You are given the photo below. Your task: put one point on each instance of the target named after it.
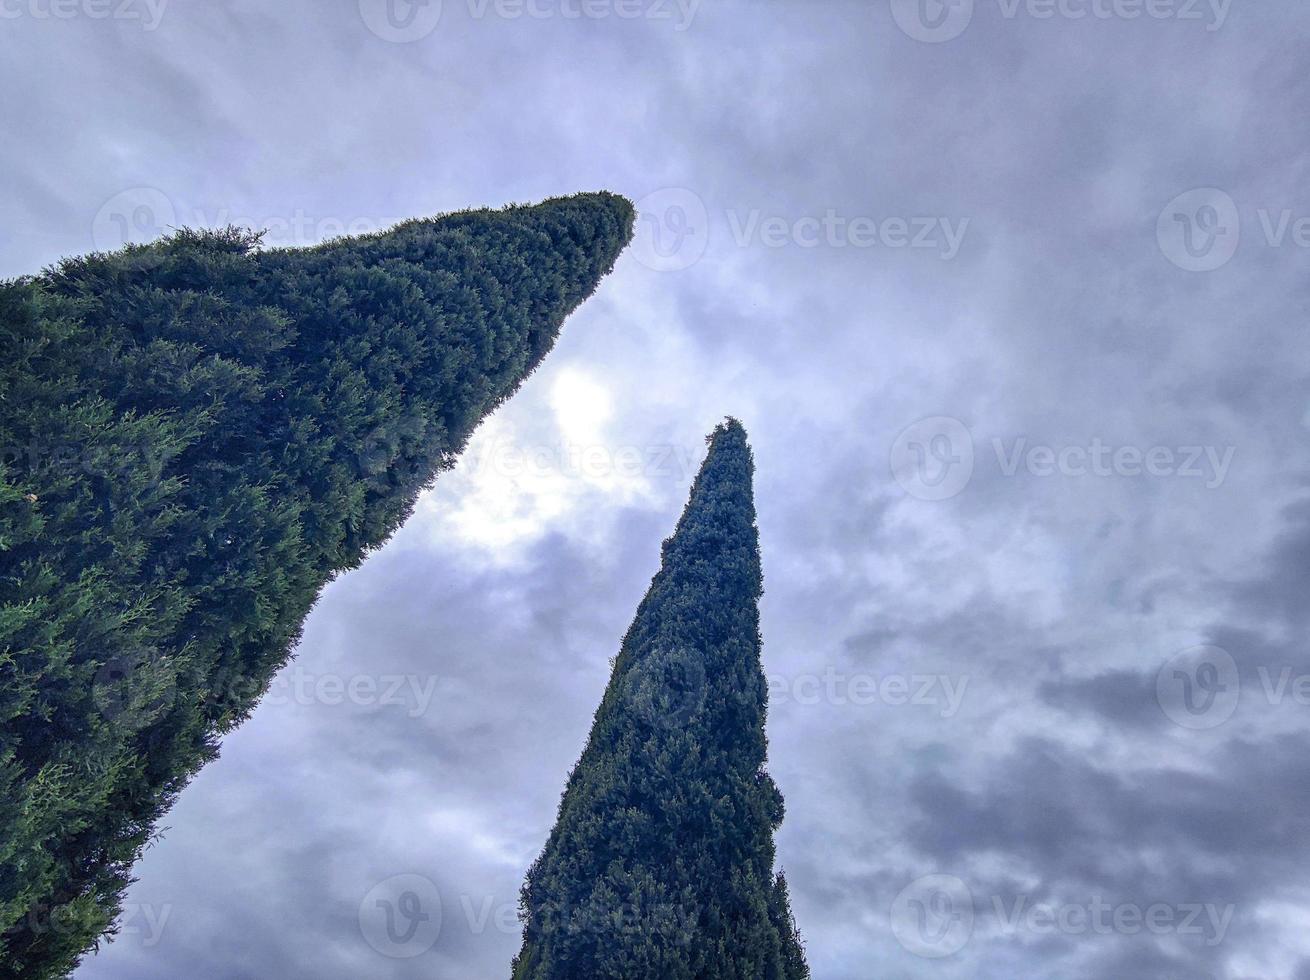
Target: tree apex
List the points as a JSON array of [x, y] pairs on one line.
[[729, 431], [607, 200]]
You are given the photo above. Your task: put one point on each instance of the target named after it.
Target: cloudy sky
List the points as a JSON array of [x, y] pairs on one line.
[[1010, 296]]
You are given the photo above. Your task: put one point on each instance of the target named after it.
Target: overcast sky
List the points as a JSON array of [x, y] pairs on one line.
[[1012, 304]]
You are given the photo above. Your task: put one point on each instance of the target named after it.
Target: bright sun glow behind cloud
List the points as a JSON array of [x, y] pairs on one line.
[[582, 406], [520, 476]]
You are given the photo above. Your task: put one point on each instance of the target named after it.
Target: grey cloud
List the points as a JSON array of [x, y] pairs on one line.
[[1059, 321]]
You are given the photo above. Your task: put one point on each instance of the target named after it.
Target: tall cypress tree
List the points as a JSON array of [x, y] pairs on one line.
[[197, 435], [660, 865]]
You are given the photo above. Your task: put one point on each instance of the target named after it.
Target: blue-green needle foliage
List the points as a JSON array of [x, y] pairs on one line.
[[660, 866], [197, 435]]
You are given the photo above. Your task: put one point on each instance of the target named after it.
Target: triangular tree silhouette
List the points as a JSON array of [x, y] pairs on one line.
[[660, 865], [197, 436]]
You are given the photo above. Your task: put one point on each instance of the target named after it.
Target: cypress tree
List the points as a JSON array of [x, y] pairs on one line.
[[197, 435], [660, 865]]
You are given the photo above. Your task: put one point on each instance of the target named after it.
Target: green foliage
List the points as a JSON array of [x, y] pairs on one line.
[[196, 435], [661, 862]]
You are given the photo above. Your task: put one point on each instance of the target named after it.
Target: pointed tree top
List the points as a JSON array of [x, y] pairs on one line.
[[730, 429], [661, 861], [720, 513], [594, 217], [216, 430]]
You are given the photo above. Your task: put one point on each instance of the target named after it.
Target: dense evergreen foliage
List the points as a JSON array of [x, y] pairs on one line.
[[197, 435], [661, 863]]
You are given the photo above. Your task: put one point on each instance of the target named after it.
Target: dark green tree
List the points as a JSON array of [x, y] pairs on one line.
[[197, 435], [660, 866]]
